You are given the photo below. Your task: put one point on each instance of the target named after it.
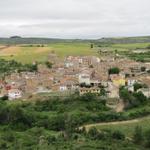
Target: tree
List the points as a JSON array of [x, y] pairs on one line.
[[103, 92], [114, 70], [140, 97], [4, 98], [143, 69], [137, 86], [48, 64], [92, 45], [124, 94], [138, 135]]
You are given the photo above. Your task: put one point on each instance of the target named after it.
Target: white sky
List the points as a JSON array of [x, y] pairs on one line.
[[74, 18]]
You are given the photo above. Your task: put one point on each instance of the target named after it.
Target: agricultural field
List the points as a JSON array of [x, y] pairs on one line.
[[135, 51], [29, 54], [131, 46]]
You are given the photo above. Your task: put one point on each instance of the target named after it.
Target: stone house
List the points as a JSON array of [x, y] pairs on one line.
[[93, 90]]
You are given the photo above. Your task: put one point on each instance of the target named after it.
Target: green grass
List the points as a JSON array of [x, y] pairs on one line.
[[128, 128], [75, 49], [31, 54], [131, 46]]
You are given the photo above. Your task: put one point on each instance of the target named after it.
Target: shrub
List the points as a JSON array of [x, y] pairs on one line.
[[138, 135], [118, 135]]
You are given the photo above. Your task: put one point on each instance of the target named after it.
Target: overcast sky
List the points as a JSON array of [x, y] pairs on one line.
[[74, 18]]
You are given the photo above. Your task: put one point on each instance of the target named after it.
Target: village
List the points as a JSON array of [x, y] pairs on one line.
[[82, 74]]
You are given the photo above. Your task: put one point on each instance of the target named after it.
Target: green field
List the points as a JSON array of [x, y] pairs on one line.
[[131, 46], [30, 54], [129, 127]]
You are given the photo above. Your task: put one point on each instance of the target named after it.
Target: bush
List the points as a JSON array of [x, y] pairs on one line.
[[118, 135], [138, 135], [4, 98], [93, 133]]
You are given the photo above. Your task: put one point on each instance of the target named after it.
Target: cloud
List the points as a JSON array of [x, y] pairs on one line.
[[74, 18]]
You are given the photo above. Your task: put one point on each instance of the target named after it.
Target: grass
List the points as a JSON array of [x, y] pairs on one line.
[[26, 54], [40, 54], [74, 49], [128, 128], [29, 54], [131, 46]]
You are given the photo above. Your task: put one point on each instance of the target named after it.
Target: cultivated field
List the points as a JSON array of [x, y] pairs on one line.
[[31, 53], [28, 54]]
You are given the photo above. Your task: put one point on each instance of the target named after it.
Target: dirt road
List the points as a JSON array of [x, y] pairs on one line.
[[113, 123]]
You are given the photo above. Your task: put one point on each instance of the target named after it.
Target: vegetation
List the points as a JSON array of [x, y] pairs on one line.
[[134, 99], [48, 64], [37, 53], [54, 123], [114, 70], [7, 67], [138, 86]]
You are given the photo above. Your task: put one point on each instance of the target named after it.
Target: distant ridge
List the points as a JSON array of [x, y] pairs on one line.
[[36, 40], [125, 40]]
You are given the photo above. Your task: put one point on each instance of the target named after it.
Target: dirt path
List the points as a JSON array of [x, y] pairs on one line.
[[113, 123]]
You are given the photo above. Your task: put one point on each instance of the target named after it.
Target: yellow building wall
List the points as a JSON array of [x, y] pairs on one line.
[[120, 82]]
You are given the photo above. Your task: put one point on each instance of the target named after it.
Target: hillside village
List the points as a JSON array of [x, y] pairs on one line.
[[83, 74]]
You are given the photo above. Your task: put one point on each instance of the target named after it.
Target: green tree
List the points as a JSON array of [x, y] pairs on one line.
[[137, 86], [48, 64], [143, 69], [114, 70]]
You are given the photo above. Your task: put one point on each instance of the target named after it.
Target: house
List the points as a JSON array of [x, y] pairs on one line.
[[93, 90], [118, 80], [68, 64], [41, 89], [84, 77], [68, 84], [14, 94], [131, 82]]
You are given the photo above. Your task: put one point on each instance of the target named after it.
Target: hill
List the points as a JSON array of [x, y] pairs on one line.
[[19, 40], [125, 40], [36, 40]]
